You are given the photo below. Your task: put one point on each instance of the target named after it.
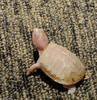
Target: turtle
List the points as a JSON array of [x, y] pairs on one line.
[[57, 62]]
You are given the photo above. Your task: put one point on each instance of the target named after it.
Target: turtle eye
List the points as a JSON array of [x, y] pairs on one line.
[[36, 35]]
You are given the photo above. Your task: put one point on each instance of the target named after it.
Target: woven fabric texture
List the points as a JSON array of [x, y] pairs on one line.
[[70, 23]]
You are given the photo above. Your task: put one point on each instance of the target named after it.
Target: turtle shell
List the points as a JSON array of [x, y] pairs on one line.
[[61, 65]]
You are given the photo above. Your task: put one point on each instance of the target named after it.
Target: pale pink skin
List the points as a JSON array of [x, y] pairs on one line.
[[40, 40]]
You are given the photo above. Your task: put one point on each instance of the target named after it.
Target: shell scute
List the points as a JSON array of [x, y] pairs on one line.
[[61, 65]]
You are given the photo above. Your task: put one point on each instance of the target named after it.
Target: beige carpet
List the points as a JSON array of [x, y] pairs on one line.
[[70, 23]]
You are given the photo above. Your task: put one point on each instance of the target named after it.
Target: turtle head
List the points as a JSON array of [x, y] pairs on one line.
[[39, 39]]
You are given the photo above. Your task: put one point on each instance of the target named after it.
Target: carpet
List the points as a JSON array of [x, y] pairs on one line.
[[70, 23]]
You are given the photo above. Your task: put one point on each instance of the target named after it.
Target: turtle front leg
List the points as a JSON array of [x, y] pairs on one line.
[[71, 88], [33, 67]]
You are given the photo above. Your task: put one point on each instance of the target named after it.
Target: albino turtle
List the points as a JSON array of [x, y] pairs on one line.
[[57, 62]]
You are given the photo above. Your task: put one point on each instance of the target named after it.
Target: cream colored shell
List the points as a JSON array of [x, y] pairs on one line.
[[61, 65]]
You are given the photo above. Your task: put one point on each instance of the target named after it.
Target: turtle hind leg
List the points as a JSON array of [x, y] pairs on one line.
[[71, 88], [33, 67]]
